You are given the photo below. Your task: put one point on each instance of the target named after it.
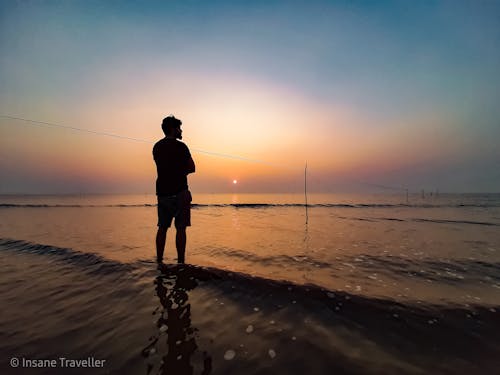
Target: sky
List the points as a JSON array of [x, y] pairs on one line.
[[370, 94]]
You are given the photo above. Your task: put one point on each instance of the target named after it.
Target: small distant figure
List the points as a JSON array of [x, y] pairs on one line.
[[173, 164]]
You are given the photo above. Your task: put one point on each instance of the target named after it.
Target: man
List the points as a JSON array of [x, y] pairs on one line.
[[173, 164]]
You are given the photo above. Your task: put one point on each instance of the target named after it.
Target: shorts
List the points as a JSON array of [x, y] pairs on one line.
[[175, 206]]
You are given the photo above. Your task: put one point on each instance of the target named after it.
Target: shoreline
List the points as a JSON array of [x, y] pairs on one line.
[[215, 314]]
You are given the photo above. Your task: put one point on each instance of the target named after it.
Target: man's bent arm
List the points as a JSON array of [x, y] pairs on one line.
[[190, 166]]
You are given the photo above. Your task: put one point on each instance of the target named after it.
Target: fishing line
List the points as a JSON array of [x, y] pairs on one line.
[[211, 153], [357, 182], [217, 154]]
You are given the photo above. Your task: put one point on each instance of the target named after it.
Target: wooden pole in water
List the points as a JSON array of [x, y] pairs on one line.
[[305, 191]]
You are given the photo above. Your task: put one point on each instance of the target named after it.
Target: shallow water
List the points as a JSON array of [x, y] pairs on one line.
[[371, 284], [436, 250]]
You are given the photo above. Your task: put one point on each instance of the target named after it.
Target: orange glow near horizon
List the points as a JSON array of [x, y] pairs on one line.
[[275, 128]]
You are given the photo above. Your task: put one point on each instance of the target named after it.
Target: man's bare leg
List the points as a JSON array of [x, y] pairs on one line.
[[161, 237], [180, 243]]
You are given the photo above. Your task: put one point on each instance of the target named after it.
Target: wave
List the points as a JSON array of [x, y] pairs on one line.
[[439, 270], [298, 261], [419, 220], [392, 266], [232, 282], [442, 221], [96, 264], [92, 263], [257, 205]]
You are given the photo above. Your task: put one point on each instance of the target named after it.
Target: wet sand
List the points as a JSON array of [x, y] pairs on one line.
[[57, 302]]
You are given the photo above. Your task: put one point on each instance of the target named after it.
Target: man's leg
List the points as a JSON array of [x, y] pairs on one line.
[[161, 237], [180, 243]]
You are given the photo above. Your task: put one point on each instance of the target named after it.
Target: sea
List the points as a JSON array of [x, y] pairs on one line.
[[347, 284]]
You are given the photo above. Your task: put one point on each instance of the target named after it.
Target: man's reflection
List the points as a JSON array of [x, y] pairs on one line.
[[172, 288]]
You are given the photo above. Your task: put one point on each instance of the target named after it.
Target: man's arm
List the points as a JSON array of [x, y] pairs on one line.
[[191, 168]]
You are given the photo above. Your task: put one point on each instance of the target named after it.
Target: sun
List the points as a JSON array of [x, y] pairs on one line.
[[235, 182]]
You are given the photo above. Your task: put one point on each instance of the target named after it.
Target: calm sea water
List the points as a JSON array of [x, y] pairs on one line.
[[431, 248], [268, 279]]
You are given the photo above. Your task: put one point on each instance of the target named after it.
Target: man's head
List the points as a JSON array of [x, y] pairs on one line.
[[171, 126]]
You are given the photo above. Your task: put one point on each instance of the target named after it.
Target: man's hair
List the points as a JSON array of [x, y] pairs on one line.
[[170, 122]]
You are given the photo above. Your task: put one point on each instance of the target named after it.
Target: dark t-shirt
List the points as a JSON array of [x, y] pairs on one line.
[[172, 159]]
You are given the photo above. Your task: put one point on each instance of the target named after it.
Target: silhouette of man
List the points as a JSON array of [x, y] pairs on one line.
[[173, 164]]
